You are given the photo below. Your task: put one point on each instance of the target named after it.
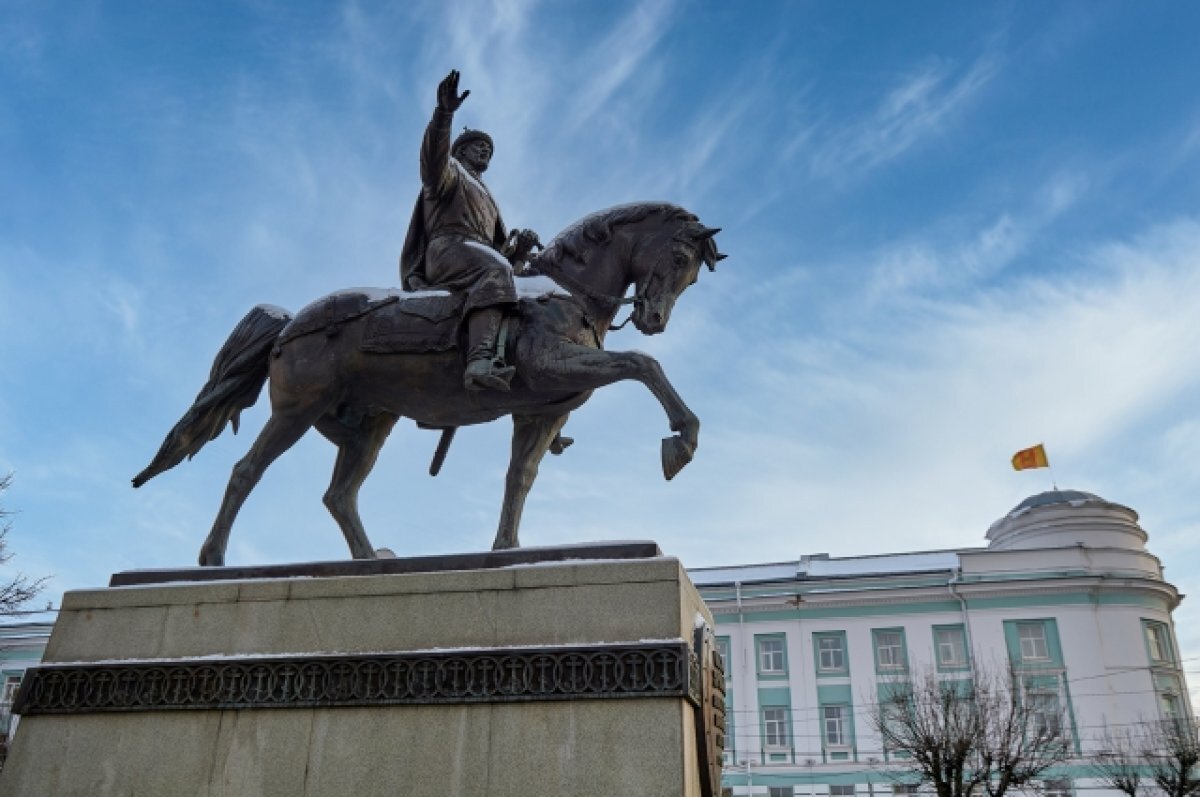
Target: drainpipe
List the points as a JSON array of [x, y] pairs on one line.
[[955, 580], [737, 588]]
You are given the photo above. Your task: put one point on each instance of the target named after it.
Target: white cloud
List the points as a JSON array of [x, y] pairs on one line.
[[618, 58], [929, 261], [918, 106]]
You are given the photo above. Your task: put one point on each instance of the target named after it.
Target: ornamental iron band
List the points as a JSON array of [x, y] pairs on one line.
[[474, 676]]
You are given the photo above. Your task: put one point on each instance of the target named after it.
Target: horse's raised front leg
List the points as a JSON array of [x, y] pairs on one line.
[[358, 448], [571, 367], [532, 436]]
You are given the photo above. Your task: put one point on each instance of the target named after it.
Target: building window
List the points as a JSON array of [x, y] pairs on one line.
[[951, 644], [723, 647], [1169, 702], [1158, 640], [842, 791], [1056, 788], [1045, 714], [899, 789], [775, 727], [771, 659], [831, 653], [889, 650], [780, 791], [1032, 637], [11, 684], [833, 718]]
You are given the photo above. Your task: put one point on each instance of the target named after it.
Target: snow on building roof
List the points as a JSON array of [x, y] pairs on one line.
[[1052, 497], [919, 562], [822, 566], [744, 573]]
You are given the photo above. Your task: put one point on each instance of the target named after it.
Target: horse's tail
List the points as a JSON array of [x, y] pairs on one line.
[[237, 377]]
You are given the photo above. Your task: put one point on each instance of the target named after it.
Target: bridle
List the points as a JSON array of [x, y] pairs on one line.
[[603, 299], [613, 302]]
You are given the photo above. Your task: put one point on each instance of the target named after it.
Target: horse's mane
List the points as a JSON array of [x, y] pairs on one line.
[[595, 229]]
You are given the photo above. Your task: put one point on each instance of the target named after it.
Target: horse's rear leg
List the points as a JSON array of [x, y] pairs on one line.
[[532, 435], [278, 435], [357, 451]]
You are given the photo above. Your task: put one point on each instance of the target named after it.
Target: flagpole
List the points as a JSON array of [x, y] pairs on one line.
[[1050, 468]]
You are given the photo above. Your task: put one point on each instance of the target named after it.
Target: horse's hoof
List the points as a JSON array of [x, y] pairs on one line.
[[675, 454], [208, 559]]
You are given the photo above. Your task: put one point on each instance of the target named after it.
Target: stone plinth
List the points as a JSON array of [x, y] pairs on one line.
[[567, 678]]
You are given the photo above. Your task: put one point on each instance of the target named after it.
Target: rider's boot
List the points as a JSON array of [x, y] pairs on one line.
[[484, 370]]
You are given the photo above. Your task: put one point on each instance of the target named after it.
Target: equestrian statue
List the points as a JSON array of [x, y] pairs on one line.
[[484, 327]]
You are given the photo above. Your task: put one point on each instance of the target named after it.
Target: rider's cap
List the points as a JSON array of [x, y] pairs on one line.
[[468, 135]]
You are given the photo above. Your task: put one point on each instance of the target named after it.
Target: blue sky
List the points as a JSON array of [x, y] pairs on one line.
[[954, 230]]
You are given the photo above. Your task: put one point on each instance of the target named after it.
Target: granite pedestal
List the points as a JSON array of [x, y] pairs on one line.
[[574, 677]]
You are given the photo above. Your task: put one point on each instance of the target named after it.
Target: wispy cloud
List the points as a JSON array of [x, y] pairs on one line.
[[1190, 145], [618, 58], [955, 259], [920, 105], [122, 300]]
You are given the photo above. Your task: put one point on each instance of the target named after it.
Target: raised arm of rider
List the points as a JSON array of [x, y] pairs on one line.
[[435, 151]]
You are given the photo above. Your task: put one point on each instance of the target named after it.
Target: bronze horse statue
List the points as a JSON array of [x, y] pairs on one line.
[[323, 372]]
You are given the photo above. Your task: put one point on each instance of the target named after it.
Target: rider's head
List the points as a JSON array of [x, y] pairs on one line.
[[474, 149]]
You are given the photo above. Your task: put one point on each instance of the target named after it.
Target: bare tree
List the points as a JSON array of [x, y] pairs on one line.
[[18, 590], [1173, 756], [1118, 764], [1154, 759], [969, 738]]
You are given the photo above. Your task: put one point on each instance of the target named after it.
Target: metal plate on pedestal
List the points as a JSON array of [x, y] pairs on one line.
[[710, 710]]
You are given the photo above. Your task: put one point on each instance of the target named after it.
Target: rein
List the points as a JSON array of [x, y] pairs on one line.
[[616, 302]]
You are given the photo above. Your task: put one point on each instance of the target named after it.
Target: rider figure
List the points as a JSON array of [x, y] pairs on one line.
[[456, 240]]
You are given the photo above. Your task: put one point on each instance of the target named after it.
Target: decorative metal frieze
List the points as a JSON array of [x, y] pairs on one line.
[[666, 669]]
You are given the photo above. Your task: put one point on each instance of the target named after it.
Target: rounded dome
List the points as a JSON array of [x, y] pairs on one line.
[[1062, 518]]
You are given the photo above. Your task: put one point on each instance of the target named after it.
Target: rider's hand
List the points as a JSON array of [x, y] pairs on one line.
[[447, 93], [527, 240]]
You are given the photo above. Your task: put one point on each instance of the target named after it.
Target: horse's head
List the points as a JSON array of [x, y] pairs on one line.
[[665, 264]]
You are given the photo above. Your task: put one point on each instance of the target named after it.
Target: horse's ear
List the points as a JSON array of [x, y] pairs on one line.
[[703, 237], [716, 258]]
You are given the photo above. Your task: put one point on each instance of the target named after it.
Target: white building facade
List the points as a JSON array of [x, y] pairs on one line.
[[22, 645], [1065, 590]]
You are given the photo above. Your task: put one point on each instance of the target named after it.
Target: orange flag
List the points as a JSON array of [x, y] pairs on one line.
[[1031, 458]]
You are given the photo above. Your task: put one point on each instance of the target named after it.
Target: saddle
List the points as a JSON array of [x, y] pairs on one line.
[[399, 322]]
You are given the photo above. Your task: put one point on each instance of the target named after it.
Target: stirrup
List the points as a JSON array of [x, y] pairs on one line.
[[484, 374]]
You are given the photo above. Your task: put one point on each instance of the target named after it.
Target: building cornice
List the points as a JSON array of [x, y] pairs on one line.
[[791, 597]]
